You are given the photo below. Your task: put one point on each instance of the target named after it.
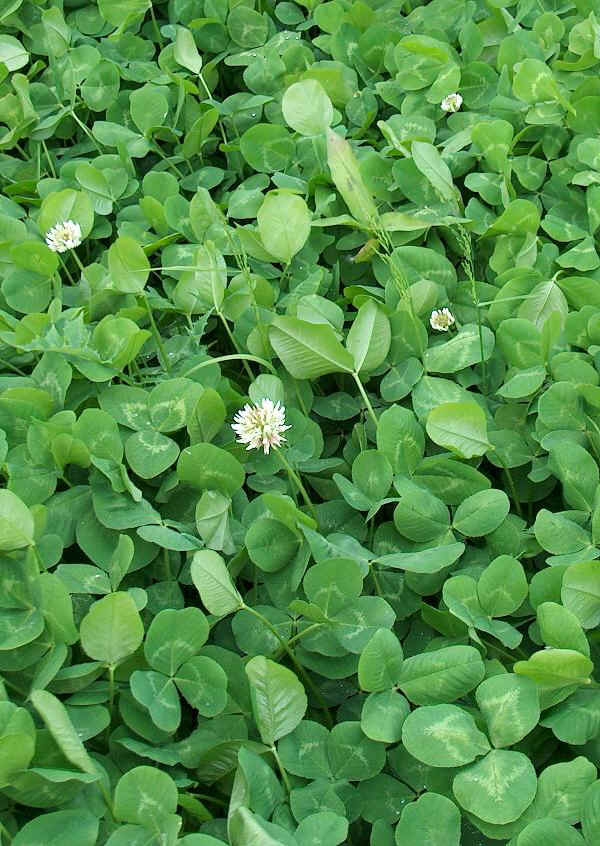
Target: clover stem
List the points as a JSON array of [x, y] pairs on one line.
[[284, 775], [311, 629], [86, 130], [296, 637], [503, 652], [511, 483], [464, 239], [155, 27], [12, 367], [371, 533], [206, 798], [56, 286], [107, 798], [235, 345], [219, 359], [212, 100], [15, 687], [297, 666], [66, 269], [162, 353], [481, 350], [376, 581], [111, 688], [5, 833], [366, 400], [513, 490], [49, 160], [79, 265], [294, 477]]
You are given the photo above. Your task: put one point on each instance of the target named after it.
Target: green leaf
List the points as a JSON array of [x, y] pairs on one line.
[[278, 698], [502, 587], [352, 756], [267, 147], [284, 223], [158, 695], [57, 721], [427, 561], [112, 630], [577, 719], [498, 788], [401, 439], [347, 179], [533, 81], [369, 338], [355, 624], [203, 287], [59, 206], [128, 265], [324, 826], [145, 795], [443, 736], [560, 628], [432, 820], [307, 108], [481, 513], [271, 545], [460, 427], [383, 716], [549, 832], [463, 350], [203, 683], [16, 522], [124, 13], [148, 108], [519, 217], [590, 821], [441, 676], [213, 582], [247, 829], [380, 663], [209, 467], [17, 741], [185, 52], [150, 453], [494, 139], [580, 592], [578, 473], [173, 637], [247, 27], [510, 706], [54, 829], [308, 350], [420, 516], [429, 162], [304, 751], [557, 672]]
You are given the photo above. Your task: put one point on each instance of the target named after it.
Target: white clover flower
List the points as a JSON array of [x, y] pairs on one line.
[[441, 319], [452, 102], [261, 425], [64, 236]]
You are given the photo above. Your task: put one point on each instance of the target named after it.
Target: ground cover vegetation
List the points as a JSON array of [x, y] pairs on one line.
[[299, 423]]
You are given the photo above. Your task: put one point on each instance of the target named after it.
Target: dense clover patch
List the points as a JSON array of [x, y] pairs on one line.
[[299, 423]]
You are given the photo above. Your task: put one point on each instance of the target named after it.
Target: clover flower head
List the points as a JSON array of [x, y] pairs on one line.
[[441, 319], [261, 425], [64, 236], [452, 102]]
